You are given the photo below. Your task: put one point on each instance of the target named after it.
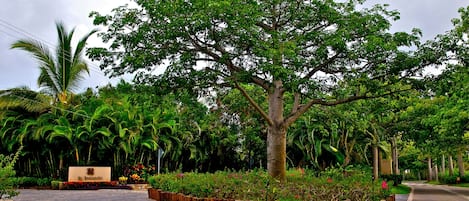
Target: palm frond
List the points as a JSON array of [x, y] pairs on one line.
[[81, 46], [22, 97]]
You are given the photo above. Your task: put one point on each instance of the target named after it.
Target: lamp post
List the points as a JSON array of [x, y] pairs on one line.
[[160, 154]]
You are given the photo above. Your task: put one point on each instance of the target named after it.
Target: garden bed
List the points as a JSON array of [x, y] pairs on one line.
[[255, 185]]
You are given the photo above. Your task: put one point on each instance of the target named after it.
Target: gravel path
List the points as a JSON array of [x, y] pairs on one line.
[[81, 195]]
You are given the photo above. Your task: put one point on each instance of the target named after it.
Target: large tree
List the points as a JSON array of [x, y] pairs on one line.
[[309, 51]]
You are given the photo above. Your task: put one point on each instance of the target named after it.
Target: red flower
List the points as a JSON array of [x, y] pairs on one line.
[[384, 185], [329, 180]]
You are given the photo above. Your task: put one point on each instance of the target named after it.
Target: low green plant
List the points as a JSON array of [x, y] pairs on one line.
[[447, 179], [55, 184], [26, 182], [6, 174], [400, 189], [258, 185]]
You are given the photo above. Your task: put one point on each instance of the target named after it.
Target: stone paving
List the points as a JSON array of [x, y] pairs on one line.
[[402, 197], [81, 195], [95, 195]]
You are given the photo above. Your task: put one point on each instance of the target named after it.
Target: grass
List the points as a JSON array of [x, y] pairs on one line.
[[461, 185], [400, 189], [433, 182]]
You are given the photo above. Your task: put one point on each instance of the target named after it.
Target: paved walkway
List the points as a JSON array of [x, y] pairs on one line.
[[427, 192], [96, 195], [81, 195], [402, 197]]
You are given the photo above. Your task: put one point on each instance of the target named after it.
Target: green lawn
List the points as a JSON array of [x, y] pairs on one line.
[[461, 185], [400, 189]]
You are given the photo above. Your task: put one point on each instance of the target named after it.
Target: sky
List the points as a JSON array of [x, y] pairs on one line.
[[23, 19]]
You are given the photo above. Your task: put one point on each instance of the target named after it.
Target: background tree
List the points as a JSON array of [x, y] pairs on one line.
[[307, 50]]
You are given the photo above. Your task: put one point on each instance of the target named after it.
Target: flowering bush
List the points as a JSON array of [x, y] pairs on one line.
[[255, 185], [138, 174]]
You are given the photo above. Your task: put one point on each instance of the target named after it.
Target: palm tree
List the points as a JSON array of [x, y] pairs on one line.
[[61, 73]]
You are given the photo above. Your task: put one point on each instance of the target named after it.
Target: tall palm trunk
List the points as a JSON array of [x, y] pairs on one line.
[[450, 165], [429, 165], [460, 164], [90, 148], [375, 162], [61, 161], [395, 156], [443, 168], [77, 156]]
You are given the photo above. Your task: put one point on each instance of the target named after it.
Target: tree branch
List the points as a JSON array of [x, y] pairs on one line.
[[303, 108], [321, 66], [264, 26], [254, 104]]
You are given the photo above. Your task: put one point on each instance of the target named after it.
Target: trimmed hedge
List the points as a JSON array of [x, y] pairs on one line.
[[257, 185], [25, 182]]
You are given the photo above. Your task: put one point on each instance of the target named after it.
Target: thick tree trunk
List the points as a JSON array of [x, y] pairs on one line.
[[450, 165], [443, 168], [460, 164], [375, 162], [429, 165], [276, 153], [436, 172], [276, 136]]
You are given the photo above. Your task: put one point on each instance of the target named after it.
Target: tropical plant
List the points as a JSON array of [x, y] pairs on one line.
[[6, 174], [59, 73]]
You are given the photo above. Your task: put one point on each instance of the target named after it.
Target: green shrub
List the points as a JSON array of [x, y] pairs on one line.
[[257, 185], [30, 181], [446, 179], [464, 179], [6, 174], [55, 184], [395, 178]]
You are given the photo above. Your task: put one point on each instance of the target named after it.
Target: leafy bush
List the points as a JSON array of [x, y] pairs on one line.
[[138, 173], [446, 179], [395, 178], [55, 184], [30, 181], [6, 174], [257, 185]]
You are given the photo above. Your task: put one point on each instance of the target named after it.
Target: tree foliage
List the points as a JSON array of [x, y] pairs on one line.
[[309, 50]]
